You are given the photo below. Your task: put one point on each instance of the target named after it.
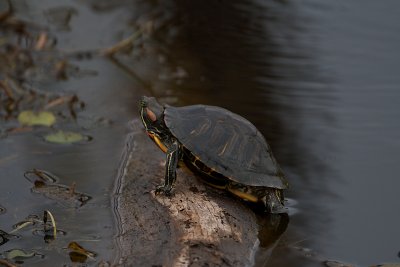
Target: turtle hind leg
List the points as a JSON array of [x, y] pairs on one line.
[[243, 195], [268, 199], [242, 191], [273, 201]]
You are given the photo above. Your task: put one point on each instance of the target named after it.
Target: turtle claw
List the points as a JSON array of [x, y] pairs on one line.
[[164, 189]]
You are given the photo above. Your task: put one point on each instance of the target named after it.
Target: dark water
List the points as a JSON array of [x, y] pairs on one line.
[[109, 97], [319, 79]]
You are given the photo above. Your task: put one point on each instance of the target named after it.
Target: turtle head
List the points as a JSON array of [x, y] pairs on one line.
[[151, 113]]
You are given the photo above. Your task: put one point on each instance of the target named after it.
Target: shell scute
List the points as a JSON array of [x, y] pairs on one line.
[[226, 142]]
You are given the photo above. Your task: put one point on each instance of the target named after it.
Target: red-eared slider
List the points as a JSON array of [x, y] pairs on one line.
[[225, 148]]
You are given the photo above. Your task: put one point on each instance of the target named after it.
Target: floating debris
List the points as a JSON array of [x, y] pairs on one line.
[[38, 226], [44, 233], [53, 222], [22, 225], [18, 254], [5, 237], [62, 137], [31, 220], [44, 183], [44, 176], [80, 254], [32, 118]]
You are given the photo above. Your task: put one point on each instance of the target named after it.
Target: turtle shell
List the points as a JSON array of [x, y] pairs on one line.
[[226, 143]]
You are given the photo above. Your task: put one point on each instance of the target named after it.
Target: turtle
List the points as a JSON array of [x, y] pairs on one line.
[[225, 148]]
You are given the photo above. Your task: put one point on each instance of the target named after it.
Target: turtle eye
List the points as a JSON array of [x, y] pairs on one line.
[[151, 115]]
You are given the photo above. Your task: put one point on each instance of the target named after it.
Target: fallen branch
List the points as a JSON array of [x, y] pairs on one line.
[[197, 225]]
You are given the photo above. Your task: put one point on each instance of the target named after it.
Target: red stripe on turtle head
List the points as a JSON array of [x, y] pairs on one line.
[[151, 115]]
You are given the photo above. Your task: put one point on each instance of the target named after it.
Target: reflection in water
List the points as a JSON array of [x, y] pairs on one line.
[[271, 229], [273, 226]]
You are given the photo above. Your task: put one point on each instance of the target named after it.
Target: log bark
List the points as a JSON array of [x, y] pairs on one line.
[[196, 226]]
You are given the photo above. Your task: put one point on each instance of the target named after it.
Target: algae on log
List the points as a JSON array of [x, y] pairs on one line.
[[196, 226]]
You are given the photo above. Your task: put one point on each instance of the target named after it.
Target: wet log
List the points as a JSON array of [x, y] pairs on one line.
[[196, 226]]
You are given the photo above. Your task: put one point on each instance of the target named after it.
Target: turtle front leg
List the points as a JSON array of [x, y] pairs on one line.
[[170, 169]]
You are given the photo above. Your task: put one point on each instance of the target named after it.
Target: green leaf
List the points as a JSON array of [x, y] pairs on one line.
[[31, 118]]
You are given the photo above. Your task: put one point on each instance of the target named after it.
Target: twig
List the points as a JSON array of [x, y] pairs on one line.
[[7, 263], [16, 130], [122, 45], [58, 101], [41, 42]]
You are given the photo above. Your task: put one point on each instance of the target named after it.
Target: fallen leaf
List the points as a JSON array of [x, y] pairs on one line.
[[45, 183], [31, 118], [78, 251], [62, 137], [18, 254], [43, 176]]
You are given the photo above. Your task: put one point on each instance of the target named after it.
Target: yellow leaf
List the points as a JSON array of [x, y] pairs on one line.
[[31, 118], [62, 137], [74, 246]]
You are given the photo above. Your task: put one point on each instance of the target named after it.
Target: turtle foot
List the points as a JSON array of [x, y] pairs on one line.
[[164, 189]]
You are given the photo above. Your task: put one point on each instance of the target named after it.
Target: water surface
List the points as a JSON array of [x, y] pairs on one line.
[[320, 80]]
